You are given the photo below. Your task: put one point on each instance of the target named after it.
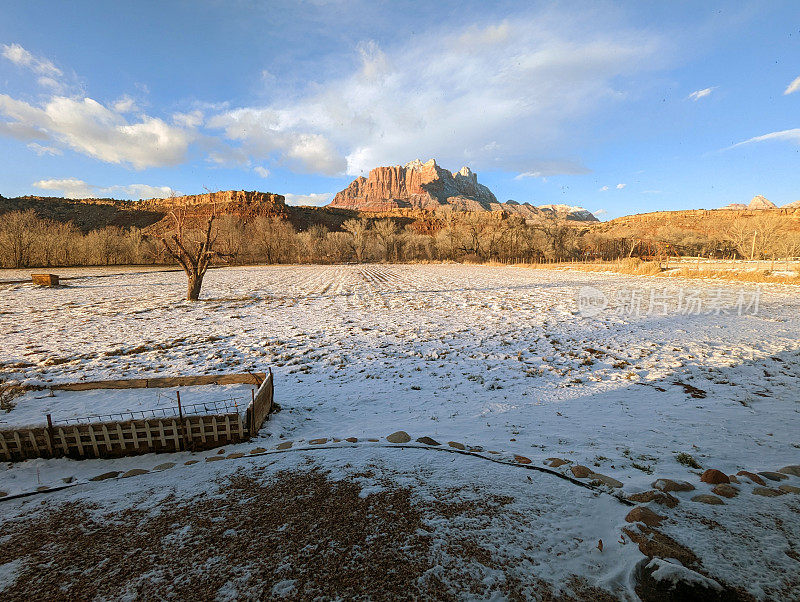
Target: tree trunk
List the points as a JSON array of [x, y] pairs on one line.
[[195, 283]]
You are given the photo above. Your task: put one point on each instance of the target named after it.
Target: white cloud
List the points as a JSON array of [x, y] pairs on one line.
[[19, 56], [188, 120], [44, 150], [124, 105], [621, 186], [698, 94], [261, 171], [790, 135], [603, 189], [599, 212], [72, 188], [88, 127], [317, 199], [793, 87], [451, 94], [546, 169]]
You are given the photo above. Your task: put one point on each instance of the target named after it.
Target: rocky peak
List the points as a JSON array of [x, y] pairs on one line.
[[759, 202], [415, 185]]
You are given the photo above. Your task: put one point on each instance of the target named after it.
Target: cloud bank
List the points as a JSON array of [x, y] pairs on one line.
[[72, 188]]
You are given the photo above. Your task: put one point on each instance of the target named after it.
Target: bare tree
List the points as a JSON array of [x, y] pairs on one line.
[[386, 231], [193, 250], [359, 232]]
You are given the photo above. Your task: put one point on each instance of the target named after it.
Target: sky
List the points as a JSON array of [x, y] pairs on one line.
[[618, 107]]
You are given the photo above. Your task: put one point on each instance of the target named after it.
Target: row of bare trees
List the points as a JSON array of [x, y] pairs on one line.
[[27, 241]]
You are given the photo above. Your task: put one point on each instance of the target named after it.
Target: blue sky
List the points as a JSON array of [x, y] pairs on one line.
[[617, 107]]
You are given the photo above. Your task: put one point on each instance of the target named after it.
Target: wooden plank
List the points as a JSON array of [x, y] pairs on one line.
[[19, 445], [214, 429], [4, 447], [203, 429], [149, 433], [78, 442], [34, 446], [228, 426], [93, 439], [135, 434], [107, 437], [63, 440], [121, 436], [176, 436], [256, 378], [161, 433]]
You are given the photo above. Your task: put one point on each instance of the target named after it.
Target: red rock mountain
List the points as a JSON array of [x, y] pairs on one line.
[[416, 185], [419, 185]]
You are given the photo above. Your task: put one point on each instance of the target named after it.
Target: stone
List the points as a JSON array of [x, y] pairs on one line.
[[221, 451], [456, 445], [773, 476], [706, 498], [668, 485], [428, 441], [643, 514], [752, 476], [318, 441], [190, 462], [134, 472], [555, 462], [793, 470], [3, 493], [598, 478], [235, 455], [42, 488], [522, 460], [658, 497], [789, 488], [106, 475], [399, 437], [164, 466], [714, 477], [767, 492], [214, 458], [69, 479], [580, 471], [476, 448], [258, 450], [373, 440], [352, 439], [725, 490], [337, 440], [285, 445], [733, 478]]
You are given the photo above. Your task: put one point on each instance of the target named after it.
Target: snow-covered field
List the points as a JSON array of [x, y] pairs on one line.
[[497, 357]]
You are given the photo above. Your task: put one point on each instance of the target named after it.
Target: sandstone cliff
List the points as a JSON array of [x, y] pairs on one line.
[[416, 185], [427, 186], [226, 201]]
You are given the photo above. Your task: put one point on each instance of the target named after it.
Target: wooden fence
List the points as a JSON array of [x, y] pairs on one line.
[[132, 437]]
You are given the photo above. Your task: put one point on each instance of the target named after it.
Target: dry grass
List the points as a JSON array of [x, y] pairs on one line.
[[298, 535], [634, 266]]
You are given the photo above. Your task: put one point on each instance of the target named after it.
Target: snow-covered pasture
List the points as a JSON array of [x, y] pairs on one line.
[[497, 357]]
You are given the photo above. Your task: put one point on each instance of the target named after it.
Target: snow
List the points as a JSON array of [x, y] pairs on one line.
[[498, 357], [675, 573], [107, 404]]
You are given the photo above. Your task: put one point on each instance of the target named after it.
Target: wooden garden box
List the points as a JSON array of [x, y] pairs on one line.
[[45, 279]]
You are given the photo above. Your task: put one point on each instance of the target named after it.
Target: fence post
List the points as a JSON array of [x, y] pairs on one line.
[[180, 421], [51, 442]]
